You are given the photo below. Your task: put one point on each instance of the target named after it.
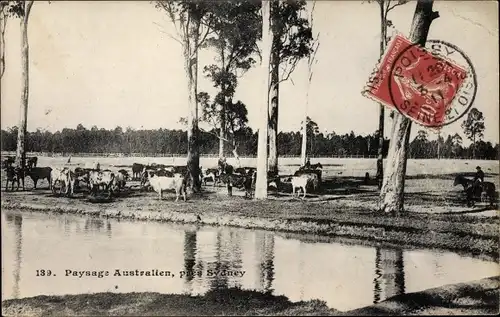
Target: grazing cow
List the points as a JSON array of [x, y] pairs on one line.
[[14, 174], [245, 170], [211, 174], [120, 179], [81, 174], [101, 178], [162, 183], [59, 175], [239, 181], [32, 161], [137, 170], [145, 177], [37, 173]]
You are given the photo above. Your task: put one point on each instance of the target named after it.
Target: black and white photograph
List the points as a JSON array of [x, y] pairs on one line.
[[250, 157]]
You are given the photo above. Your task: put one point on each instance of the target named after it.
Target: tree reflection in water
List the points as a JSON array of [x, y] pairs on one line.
[[264, 243], [189, 257], [389, 278], [17, 221]]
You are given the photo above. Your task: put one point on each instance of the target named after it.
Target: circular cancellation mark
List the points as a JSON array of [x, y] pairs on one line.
[[432, 88]]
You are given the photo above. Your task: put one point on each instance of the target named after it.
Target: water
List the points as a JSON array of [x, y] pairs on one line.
[[344, 276]]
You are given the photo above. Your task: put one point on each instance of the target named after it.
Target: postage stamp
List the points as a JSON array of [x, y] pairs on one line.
[[429, 84]]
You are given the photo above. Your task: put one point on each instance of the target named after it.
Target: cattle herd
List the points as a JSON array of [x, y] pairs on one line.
[[154, 177]]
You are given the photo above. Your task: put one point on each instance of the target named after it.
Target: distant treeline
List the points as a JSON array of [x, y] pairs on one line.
[[95, 140]]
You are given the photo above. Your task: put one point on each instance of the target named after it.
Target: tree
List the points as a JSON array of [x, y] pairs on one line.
[[189, 19], [23, 120], [7, 9], [392, 191], [312, 130], [456, 141], [440, 143], [235, 116], [473, 127], [311, 60], [419, 145], [237, 27], [385, 7], [291, 41], [261, 181]]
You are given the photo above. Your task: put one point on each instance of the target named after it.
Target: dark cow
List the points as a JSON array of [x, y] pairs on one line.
[[9, 160], [211, 174], [245, 182], [37, 173], [32, 161], [137, 170], [14, 174]]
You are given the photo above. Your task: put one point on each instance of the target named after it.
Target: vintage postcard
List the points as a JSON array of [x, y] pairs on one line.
[[249, 157]]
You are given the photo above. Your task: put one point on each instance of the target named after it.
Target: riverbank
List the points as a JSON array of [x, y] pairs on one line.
[[347, 217], [474, 298]]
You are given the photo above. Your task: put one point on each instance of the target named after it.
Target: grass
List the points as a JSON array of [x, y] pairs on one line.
[[475, 297]]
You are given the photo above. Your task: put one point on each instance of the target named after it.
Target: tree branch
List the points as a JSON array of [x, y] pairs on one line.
[[204, 37], [393, 6], [169, 35], [218, 136], [286, 74]]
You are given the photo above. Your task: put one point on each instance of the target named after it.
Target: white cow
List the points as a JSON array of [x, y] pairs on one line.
[[162, 183], [302, 182], [101, 178], [62, 176]]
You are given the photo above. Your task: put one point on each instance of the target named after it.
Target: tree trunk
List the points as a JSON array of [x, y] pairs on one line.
[[474, 146], [23, 118], [191, 67], [380, 159], [222, 127], [274, 94], [392, 192], [3, 25], [303, 155], [261, 181], [223, 112]]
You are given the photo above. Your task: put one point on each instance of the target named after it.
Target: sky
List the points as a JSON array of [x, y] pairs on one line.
[[110, 63]]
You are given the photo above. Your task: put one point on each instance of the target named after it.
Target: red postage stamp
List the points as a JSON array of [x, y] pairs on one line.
[[421, 85]]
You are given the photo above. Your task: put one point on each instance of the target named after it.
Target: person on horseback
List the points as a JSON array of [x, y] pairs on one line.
[[308, 163], [478, 179]]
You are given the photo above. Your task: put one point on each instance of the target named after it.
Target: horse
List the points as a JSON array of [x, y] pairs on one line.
[[475, 191]]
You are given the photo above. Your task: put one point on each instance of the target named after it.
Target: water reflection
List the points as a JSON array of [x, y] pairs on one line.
[[344, 276], [189, 258], [17, 222], [264, 244], [389, 278]]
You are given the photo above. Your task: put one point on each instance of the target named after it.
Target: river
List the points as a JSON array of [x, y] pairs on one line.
[[345, 276]]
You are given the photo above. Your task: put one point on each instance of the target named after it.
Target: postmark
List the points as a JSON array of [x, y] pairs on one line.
[[433, 86]]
